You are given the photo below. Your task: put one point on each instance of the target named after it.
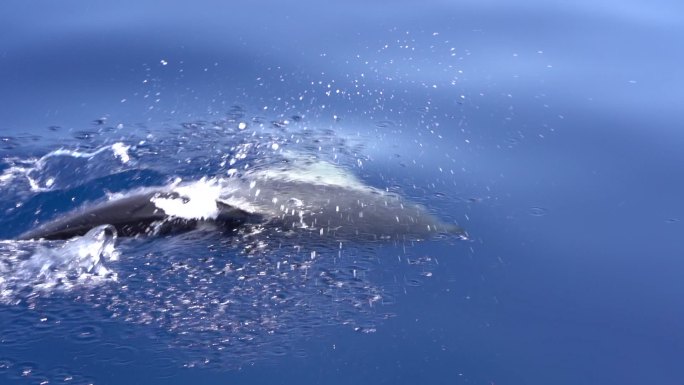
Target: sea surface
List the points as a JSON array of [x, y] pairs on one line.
[[552, 132]]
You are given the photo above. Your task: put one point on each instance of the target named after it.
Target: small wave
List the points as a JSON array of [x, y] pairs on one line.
[[47, 172]]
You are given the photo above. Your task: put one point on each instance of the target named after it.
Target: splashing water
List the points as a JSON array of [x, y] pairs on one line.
[[42, 269], [218, 300]]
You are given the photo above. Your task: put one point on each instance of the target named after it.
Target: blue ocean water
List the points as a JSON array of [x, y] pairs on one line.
[[550, 131]]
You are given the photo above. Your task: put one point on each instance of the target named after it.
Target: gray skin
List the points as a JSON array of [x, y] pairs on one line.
[[346, 213], [334, 211], [132, 215]]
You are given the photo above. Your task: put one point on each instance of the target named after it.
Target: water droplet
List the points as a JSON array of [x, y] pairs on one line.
[[6, 364], [87, 334], [385, 124], [85, 135], [538, 211]]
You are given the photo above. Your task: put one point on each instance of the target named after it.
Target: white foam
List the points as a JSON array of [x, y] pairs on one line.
[[197, 200], [16, 171], [121, 151], [26, 167], [44, 268]]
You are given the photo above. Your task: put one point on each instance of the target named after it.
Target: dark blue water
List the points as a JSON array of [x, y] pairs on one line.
[[551, 131]]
